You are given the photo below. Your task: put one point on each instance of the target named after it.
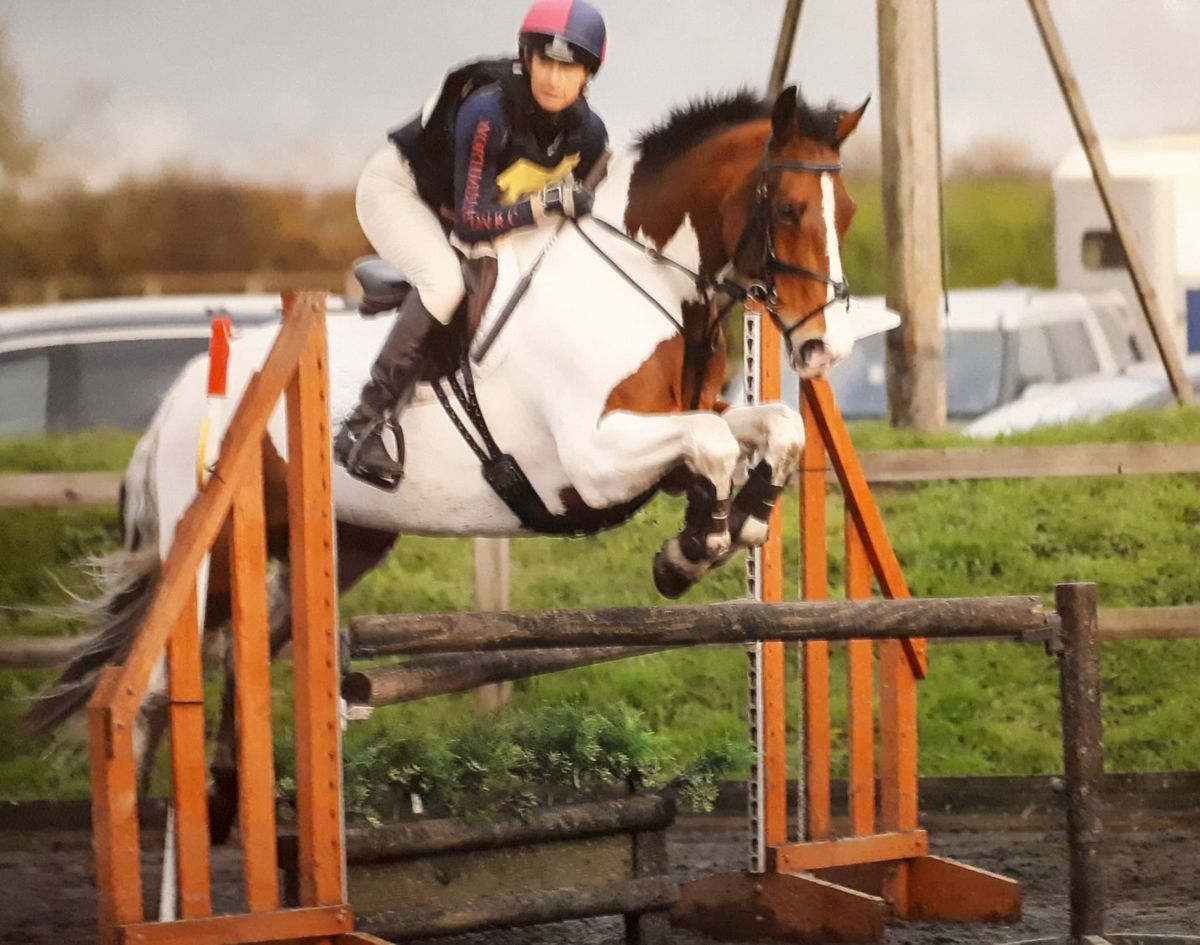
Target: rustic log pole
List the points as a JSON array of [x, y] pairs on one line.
[[555, 905], [728, 623], [1083, 754], [410, 841], [437, 675]]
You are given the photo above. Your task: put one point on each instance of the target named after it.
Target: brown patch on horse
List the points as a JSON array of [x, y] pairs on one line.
[[666, 381]]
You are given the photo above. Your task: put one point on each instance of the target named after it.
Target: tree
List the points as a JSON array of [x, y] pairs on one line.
[[18, 150]]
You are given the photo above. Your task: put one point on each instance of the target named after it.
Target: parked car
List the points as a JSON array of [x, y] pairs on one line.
[[107, 362], [1001, 344], [1141, 386]]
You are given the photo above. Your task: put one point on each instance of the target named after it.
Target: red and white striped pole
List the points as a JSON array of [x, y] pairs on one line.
[[218, 377]]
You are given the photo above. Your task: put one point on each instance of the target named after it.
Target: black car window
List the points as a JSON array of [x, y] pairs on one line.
[[24, 378], [113, 383]]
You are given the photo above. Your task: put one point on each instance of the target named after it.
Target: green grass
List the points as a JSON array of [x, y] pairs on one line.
[[99, 449]]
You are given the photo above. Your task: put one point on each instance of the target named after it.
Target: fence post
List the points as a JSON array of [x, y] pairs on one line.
[[1083, 753], [493, 579]]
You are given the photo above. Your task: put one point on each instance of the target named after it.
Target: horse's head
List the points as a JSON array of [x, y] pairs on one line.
[[761, 184], [783, 230]]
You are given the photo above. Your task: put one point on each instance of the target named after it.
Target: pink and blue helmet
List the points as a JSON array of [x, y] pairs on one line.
[[566, 30]]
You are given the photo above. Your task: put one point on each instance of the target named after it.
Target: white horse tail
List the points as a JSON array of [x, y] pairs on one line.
[[127, 579]]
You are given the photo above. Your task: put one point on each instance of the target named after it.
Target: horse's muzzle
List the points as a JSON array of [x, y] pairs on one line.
[[812, 359]]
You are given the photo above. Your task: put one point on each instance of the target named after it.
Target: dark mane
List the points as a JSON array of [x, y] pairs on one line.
[[703, 118], [699, 120]]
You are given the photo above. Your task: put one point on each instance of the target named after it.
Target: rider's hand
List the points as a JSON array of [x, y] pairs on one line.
[[568, 198]]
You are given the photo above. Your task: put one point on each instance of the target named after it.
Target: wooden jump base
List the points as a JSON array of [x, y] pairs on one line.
[[435, 877]]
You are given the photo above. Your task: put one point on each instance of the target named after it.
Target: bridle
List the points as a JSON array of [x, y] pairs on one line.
[[761, 293]]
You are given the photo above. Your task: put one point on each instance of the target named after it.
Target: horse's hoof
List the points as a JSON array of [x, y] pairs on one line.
[[753, 532], [669, 580]]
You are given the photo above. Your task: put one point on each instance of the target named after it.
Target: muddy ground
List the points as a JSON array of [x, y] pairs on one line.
[[1153, 874]]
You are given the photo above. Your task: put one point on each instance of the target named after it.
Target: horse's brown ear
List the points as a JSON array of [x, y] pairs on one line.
[[784, 112], [848, 121]]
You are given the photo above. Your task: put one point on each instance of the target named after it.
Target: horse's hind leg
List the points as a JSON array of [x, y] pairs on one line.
[[223, 792], [359, 550], [151, 724]]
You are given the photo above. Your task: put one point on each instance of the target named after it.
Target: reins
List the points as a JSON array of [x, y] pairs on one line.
[[501, 470]]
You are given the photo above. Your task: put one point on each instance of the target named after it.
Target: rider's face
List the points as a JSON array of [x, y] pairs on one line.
[[556, 85]]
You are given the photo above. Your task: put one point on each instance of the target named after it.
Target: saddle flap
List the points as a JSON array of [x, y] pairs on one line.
[[447, 347]]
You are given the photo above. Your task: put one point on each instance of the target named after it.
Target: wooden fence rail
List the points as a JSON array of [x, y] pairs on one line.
[[59, 490]]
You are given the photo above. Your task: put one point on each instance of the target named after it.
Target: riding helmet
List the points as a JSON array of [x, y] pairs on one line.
[[566, 30]]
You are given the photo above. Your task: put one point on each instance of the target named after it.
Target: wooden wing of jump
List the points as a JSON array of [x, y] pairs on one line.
[[825, 884], [232, 499]]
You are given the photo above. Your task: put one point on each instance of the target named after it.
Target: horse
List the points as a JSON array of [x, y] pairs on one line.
[[604, 385]]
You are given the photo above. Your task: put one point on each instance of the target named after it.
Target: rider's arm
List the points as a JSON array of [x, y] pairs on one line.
[[593, 145], [478, 142]]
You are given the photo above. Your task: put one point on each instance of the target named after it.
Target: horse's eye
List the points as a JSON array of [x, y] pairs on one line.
[[789, 212]]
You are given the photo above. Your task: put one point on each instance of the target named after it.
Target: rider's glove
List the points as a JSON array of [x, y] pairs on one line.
[[568, 198]]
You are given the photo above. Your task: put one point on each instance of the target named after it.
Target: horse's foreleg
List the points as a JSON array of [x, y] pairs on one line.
[[150, 726], [631, 452], [772, 437]]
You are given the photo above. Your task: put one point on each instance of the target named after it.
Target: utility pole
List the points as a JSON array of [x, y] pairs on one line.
[[916, 376], [493, 580], [1117, 218], [783, 49]]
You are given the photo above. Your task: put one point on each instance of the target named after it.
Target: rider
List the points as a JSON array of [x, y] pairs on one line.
[[523, 137]]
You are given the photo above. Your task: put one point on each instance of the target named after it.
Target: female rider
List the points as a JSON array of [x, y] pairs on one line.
[[518, 135]]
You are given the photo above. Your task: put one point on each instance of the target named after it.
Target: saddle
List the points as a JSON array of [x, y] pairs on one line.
[[385, 289]]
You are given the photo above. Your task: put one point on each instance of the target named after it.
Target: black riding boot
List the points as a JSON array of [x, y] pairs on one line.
[[370, 443]]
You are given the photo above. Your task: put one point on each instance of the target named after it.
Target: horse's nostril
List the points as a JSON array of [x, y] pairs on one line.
[[810, 349]]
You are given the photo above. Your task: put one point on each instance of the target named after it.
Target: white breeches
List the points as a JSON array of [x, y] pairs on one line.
[[406, 232]]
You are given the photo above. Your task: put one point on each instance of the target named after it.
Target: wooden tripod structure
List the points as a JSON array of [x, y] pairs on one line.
[[824, 887]]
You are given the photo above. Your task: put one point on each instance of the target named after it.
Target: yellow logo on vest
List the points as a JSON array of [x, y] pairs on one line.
[[524, 178]]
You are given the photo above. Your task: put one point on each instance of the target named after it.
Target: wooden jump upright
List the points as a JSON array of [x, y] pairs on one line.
[[827, 885], [231, 503]]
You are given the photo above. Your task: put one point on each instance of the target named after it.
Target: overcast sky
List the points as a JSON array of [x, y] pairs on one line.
[[300, 91]]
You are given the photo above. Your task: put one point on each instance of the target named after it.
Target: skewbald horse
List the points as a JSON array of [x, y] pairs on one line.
[[600, 399]]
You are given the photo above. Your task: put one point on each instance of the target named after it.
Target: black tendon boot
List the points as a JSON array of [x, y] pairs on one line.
[[370, 444]]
